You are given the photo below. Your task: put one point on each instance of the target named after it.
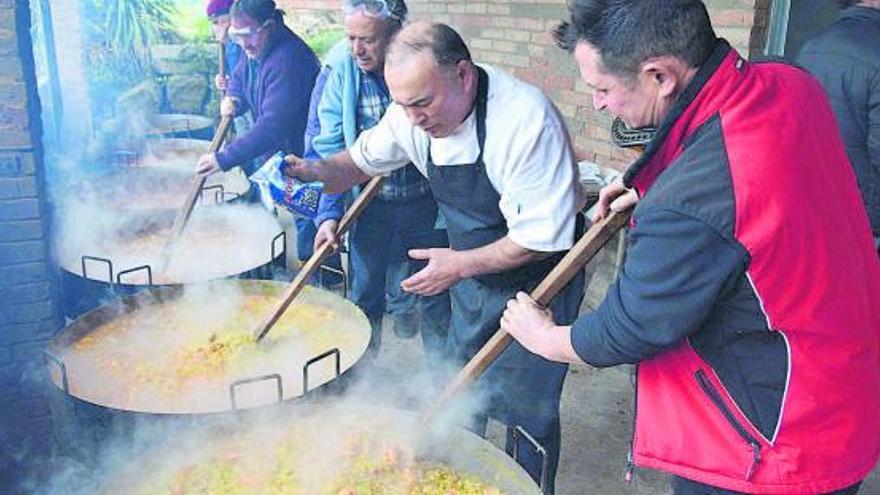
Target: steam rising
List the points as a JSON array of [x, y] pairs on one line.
[[115, 197], [323, 434], [180, 351], [374, 405], [218, 242]]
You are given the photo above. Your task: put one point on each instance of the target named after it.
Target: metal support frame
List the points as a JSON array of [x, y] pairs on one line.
[[320, 357], [518, 431]]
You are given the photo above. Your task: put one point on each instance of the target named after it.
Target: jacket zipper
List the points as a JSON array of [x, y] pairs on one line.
[[630, 463], [713, 394]]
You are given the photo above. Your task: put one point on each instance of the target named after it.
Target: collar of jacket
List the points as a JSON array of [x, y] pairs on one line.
[[682, 108], [275, 37], [866, 13]]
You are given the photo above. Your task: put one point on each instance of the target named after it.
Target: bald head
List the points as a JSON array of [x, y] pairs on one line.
[[430, 75], [441, 42]]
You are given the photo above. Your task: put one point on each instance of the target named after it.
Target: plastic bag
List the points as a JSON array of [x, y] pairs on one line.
[[300, 198]]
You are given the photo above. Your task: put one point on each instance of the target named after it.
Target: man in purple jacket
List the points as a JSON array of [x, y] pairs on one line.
[[273, 83]]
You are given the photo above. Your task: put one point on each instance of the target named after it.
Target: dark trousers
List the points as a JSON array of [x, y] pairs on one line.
[[380, 238], [519, 388], [305, 240], [683, 486]]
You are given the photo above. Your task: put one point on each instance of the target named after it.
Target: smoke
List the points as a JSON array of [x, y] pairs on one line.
[[180, 350], [375, 411], [320, 441], [218, 241], [180, 153]]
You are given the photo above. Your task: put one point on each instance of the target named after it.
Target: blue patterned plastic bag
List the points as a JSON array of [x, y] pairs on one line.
[[300, 198]]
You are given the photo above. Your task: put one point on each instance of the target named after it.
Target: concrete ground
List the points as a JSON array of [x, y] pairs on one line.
[[596, 408]]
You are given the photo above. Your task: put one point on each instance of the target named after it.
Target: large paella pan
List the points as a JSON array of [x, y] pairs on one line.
[[219, 241], [191, 350], [345, 449]]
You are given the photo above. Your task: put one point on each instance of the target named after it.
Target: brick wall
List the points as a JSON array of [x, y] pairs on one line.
[[28, 294], [514, 35]]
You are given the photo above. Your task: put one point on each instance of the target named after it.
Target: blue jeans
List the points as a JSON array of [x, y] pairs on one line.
[[380, 239], [397, 300], [684, 486], [305, 239]]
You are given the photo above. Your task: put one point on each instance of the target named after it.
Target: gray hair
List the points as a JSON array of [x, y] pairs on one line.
[[393, 12], [443, 42]]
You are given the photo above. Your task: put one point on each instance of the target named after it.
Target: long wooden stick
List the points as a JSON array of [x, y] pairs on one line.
[[582, 252], [222, 59], [318, 257], [196, 187]]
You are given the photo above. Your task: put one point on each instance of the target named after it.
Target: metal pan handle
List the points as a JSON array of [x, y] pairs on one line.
[[518, 431], [134, 270], [276, 252], [106, 261], [58, 362], [237, 383], [320, 357], [219, 193], [341, 273]]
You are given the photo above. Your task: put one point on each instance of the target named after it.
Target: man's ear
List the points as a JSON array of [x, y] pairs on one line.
[[466, 74], [462, 69], [663, 72]]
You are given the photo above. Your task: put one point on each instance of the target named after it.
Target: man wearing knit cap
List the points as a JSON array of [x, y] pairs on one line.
[[218, 14]]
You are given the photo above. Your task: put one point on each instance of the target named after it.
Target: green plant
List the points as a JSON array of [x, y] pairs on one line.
[[131, 26], [192, 23], [322, 41], [119, 34]]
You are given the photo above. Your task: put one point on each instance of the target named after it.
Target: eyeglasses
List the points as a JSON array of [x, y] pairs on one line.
[[241, 35]]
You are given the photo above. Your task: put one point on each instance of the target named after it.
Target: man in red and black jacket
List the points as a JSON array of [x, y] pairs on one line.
[[750, 290]]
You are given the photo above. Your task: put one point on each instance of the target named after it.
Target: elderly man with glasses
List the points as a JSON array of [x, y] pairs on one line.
[[273, 82], [404, 214]]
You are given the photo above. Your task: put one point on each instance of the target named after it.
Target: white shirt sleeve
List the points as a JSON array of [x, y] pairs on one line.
[[539, 197], [390, 145], [530, 162]]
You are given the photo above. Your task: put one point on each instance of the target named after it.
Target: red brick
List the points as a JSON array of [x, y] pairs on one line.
[[19, 209], [473, 20], [559, 82], [530, 24], [732, 18]]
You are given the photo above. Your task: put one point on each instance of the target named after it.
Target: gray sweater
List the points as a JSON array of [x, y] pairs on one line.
[[845, 57]]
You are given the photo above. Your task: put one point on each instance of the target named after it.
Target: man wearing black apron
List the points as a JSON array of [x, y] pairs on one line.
[[500, 166]]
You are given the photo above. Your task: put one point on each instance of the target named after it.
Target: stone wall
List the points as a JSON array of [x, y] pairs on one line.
[[28, 292], [515, 35]]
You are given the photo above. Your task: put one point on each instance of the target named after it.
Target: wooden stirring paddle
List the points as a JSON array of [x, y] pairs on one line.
[[194, 190], [320, 254], [583, 251]]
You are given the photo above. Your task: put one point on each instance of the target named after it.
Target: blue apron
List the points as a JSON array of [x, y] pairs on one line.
[[522, 389]]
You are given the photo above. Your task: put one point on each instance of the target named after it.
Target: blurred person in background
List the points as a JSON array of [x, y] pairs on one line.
[[307, 227], [845, 57], [218, 14]]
